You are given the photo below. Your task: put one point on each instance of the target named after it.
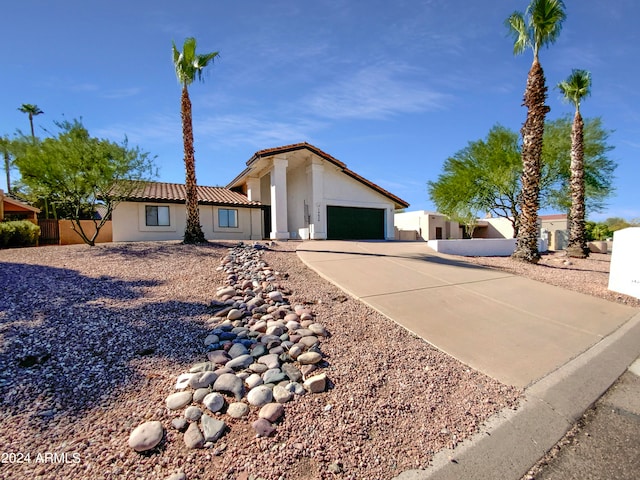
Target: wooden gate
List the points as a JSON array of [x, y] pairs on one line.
[[49, 232]]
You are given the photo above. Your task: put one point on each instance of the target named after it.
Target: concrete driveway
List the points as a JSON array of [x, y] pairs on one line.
[[511, 328]]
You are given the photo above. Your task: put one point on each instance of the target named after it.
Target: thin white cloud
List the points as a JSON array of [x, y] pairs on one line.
[[122, 93], [376, 92]]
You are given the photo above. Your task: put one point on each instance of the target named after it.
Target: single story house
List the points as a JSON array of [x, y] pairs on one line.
[[290, 192], [13, 209]]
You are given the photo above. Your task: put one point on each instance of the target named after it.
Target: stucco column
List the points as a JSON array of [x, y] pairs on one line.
[[253, 189], [279, 224], [317, 209]]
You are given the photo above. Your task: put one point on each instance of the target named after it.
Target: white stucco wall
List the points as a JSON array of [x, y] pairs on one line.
[[481, 247], [128, 222], [298, 195]]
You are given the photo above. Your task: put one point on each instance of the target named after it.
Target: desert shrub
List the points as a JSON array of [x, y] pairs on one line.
[[21, 233]]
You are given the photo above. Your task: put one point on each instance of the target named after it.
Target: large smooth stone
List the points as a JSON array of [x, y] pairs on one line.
[[146, 436], [259, 396], [214, 402], [291, 371], [243, 361], [178, 400], [219, 357], [228, 382], [193, 437], [281, 394], [236, 350], [202, 380], [317, 383], [212, 429], [263, 427], [309, 358], [271, 411], [237, 410]]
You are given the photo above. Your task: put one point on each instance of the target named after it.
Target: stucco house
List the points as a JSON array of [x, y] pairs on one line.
[[290, 192], [13, 209]]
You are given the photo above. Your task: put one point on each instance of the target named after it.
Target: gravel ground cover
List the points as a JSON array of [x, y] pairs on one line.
[[92, 340]]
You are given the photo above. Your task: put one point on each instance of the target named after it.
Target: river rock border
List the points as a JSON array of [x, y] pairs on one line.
[[262, 352]]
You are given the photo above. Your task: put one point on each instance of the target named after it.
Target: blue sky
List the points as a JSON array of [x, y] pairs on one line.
[[390, 88]]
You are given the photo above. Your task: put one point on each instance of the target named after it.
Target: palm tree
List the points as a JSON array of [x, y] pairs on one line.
[[32, 110], [190, 65], [540, 25], [576, 87], [5, 144]]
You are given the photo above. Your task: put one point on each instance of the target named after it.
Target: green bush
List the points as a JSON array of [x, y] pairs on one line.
[[21, 233]]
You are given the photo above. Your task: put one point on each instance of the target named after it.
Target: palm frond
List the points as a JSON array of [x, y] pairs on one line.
[[519, 31], [576, 87], [545, 21]]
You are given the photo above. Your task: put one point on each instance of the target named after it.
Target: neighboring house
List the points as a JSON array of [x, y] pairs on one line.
[[290, 192], [13, 209], [425, 225], [157, 211], [308, 194], [555, 228]]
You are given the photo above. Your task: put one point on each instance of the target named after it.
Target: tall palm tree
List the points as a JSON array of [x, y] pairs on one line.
[[5, 144], [32, 111], [189, 66], [576, 87], [540, 25]]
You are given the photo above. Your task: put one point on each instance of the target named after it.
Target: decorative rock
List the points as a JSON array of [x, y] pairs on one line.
[[202, 380], [228, 382], [295, 351], [237, 349], [211, 338], [263, 428], [219, 357], [259, 396], [193, 413], [305, 316], [271, 412], [146, 436], [183, 381], [254, 380], [307, 369], [309, 341], [243, 361], [309, 358], [177, 476], [273, 375], [199, 394], [276, 330], [281, 394], [237, 410], [178, 400], [258, 351], [294, 374], [193, 437], [276, 296], [225, 291], [296, 388], [214, 402], [317, 383], [235, 314], [179, 423], [318, 329], [258, 367], [203, 367], [212, 429], [271, 360]]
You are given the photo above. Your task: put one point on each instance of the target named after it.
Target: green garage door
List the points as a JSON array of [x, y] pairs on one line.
[[351, 223]]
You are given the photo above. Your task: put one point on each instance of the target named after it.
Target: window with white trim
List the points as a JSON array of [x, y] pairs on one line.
[[227, 218], [157, 216]]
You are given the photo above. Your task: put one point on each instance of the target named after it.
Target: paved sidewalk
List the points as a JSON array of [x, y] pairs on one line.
[[564, 347]]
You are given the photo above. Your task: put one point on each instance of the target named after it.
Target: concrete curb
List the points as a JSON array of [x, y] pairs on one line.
[[512, 441]]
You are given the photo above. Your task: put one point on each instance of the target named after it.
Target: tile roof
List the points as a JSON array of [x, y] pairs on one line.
[[304, 145], [176, 193]]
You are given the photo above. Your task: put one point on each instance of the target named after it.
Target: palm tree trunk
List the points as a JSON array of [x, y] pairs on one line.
[[532, 133], [577, 246], [7, 167], [193, 231], [33, 135]]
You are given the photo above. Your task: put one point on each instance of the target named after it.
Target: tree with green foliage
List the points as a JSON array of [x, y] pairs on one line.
[[80, 173], [540, 25], [599, 168], [484, 177], [32, 111], [575, 88], [189, 65]]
